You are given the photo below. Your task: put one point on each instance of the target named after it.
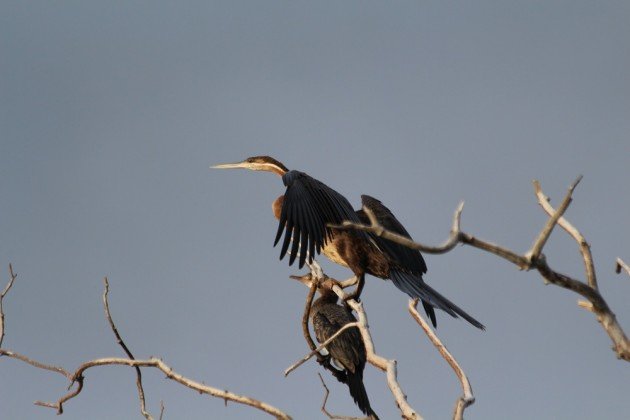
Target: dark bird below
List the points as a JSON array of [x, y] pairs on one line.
[[347, 350], [306, 210]]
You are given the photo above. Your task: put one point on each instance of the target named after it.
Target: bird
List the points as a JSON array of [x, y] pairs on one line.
[[347, 350], [307, 210]]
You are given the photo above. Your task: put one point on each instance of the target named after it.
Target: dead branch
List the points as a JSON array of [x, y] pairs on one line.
[[77, 377], [8, 287], [468, 398], [532, 259], [376, 228], [323, 361], [619, 264], [35, 363], [585, 248], [325, 411], [122, 344], [319, 348], [534, 253]]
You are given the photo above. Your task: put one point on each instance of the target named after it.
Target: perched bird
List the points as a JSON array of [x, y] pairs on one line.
[[347, 350], [305, 212]]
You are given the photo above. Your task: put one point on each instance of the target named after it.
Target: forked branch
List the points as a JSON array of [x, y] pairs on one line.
[[122, 344], [76, 377], [325, 411], [532, 259]]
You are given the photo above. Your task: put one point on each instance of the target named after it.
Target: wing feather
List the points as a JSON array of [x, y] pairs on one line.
[[308, 207], [408, 259]]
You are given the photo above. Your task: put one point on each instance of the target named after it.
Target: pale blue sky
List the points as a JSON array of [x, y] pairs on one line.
[[111, 113]]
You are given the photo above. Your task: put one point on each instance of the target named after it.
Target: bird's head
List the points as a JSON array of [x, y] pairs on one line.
[[256, 163]]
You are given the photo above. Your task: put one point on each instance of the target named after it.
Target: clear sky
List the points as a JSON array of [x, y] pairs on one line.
[[112, 112]]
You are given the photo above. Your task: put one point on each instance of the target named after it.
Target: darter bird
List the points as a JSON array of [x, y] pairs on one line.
[[305, 212], [347, 350]]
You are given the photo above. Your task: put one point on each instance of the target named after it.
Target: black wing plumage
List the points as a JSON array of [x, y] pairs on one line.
[[308, 206], [415, 287], [347, 349], [410, 259]]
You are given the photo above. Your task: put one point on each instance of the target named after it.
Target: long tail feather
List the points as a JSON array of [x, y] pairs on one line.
[[415, 287], [359, 395]]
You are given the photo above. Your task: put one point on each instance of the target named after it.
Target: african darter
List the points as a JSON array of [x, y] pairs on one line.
[[347, 350], [309, 206]]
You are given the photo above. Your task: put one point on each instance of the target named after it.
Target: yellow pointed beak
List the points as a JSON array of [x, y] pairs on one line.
[[236, 165]]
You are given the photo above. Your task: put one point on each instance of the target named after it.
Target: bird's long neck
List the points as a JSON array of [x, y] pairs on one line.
[[327, 296], [276, 167], [278, 170]]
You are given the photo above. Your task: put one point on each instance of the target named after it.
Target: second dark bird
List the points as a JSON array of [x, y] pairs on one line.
[[347, 351]]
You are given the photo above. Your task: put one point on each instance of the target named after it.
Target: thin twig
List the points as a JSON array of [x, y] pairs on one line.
[[387, 365], [35, 363], [306, 315], [8, 287], [319, 348], [541, 240], [122, 344], [585, 249], [468, 398], [59, 404], [620, 264], [161, 409], [325, 411], [317, 275]]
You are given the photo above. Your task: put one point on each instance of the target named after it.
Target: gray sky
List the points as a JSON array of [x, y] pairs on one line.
[[111, 113]]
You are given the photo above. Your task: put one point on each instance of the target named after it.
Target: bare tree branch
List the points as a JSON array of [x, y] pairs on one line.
[[12, 277], [35, 363], [468, 398], [536, 249], [18, 356], [319, 348], [77, 377], [58, 405], [621, 265], [325, 411], [122, 344], [323, 361], [161, 410], [153, 362], [585, 248], [376, 228], [533, 259], [387, 365]]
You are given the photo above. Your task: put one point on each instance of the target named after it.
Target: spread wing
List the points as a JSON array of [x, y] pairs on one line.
[[307, 208], [408, 259]]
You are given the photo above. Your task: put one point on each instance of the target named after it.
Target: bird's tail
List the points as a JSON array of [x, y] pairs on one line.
[[415, 287], [358, 393]]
